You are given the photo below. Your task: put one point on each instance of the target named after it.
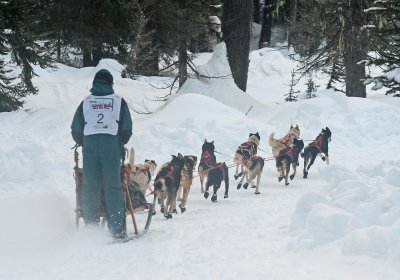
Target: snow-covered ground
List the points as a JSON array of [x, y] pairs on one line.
[[343, 222]]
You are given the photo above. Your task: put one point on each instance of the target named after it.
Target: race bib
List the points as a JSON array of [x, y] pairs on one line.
[[101, 114]]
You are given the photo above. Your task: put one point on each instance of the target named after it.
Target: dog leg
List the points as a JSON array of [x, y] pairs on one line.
[[203, 179], [173, 202], [206, 194], [168, 207], [258, 183], [236, 176], [246, 176], [280, 170], [184, 199], [215, 189], [287, 170], [241, 180], [161, 201], [179, 193], [305, 170], [294, 165]]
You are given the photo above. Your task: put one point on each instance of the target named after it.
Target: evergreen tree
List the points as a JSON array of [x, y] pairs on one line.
[[311, 87], [19, 50], [292, 95], [387, 33], [95, 28], [344, 40], [182, 32]]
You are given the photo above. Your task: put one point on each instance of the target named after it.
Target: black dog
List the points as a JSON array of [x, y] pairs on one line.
[[167, 183], [211, 171], [318, 147], [287, 157]]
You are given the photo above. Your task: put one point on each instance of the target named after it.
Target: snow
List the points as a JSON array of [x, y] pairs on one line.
[[343, 222]]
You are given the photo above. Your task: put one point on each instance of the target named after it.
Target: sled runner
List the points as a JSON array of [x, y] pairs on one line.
[[134, 200]]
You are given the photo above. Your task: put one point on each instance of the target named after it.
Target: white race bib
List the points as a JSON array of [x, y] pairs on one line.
[[101, 114]]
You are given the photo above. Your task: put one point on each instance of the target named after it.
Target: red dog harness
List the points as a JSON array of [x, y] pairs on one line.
[[317, 142], [207, 159], [169, 174], [286, 153]]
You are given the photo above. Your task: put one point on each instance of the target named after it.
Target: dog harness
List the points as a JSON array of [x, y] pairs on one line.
[[286, 153], [317, 142], [169, 173], [247, 149], [207, 159], [286, 140]]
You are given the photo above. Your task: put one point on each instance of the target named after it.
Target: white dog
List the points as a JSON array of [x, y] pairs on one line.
[[141, 174]]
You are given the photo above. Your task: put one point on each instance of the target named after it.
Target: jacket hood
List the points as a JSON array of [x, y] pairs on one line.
[[101, 88]]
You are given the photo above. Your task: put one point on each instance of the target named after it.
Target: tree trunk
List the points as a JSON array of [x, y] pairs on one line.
[[236, 23], [97, 54], [266, 27], [256, 11], [87, 54], [354, 51], [182, 51]]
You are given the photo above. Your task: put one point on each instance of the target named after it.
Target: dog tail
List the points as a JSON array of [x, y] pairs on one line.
[[271, 139], [132, 157]]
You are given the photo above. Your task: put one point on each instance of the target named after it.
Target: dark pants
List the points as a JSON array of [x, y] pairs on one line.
[[101, 172]]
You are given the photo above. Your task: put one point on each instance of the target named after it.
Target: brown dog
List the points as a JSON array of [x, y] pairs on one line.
[[279, 145], [186, 180]]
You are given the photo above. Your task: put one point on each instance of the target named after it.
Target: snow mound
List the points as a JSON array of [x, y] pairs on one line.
[[190, 118], [358, 213], [221, 86]]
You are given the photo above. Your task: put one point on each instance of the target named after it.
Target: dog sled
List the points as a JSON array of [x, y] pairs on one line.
[[135, 203]]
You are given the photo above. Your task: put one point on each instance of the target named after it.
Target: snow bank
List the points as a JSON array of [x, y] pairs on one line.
[[360, 213], [220, 84]]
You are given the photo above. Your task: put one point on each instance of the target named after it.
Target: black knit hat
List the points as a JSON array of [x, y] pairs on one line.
[[104, 75]]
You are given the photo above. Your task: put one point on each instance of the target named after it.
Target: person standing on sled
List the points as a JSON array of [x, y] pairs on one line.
[[102, 124]]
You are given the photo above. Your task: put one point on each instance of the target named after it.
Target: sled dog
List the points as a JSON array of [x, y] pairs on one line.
[[167, 183], [287, 157], [279, 145], [186, 180], [253, 168], [212, 173], [141, 174], [245, 152], [317, 147]]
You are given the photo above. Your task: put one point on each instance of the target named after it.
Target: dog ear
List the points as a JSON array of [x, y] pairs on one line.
[[291, 126], [180, 156], [212, 142], [205, 141]]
